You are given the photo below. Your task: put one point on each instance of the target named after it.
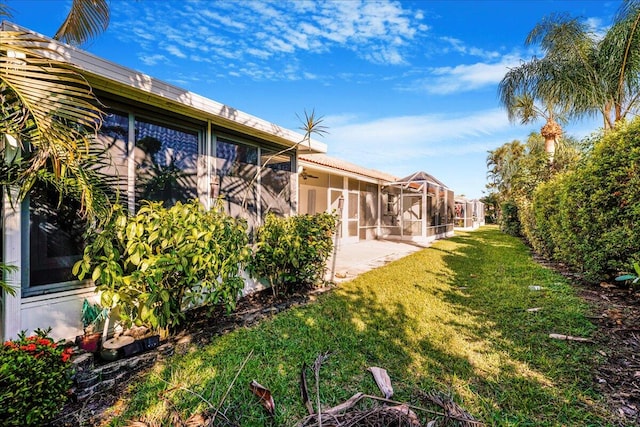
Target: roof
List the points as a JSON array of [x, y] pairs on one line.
[[116, 79], [328, 162], [420, 177]]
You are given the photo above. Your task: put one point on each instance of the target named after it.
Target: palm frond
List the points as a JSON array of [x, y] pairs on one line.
[[86, 19], [51, 109], [5, 10], [312, 125]]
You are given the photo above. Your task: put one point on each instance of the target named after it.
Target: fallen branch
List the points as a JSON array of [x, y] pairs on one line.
[[570, 338]]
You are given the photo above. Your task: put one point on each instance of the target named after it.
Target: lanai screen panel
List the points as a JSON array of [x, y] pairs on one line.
[[236, 169], [412, 215], [166, 163], [369, 213], [432, 209], [450, 210], [275, 182]]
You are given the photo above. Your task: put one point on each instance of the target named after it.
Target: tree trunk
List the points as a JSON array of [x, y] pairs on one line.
[[551, 132]]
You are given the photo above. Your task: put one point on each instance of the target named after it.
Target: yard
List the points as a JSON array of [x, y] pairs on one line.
[[452, 319]]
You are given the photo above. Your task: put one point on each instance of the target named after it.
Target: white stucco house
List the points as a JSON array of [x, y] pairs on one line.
[[210, 149]]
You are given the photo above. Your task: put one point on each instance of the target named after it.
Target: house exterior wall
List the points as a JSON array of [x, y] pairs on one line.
[[152, 128]]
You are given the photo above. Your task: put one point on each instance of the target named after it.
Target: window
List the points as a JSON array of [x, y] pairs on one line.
[[55, 239], [166, 169], [237, 167], [275, 180], [390, 208], [166, 164]]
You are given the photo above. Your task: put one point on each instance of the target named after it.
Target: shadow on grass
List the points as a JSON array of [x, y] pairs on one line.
[[450, 318]]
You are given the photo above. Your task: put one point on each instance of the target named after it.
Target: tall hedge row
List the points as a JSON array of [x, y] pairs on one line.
[[590, 218]]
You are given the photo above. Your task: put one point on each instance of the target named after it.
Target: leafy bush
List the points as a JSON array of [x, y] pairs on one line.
[[34, 379], [510, 223], [155, 263], [589, 218], [292, 252]]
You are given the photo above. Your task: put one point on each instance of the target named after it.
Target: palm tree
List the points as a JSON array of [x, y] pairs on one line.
[[502, 164], [579, 74], [548, 81], [48, 111]]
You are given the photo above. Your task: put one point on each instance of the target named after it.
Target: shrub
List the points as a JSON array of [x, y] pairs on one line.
[[292, 252], [510, 223], [589, 218], [154, 264], [34, 379]]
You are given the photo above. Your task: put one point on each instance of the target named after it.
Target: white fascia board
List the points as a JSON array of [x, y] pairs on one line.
[[119, 80]]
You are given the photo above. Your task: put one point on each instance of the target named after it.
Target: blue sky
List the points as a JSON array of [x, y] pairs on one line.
[[402, 86]]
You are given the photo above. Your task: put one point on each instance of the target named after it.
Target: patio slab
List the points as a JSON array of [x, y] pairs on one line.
[[353, 259]]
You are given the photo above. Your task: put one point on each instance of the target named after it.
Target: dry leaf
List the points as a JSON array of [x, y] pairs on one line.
[[304, 392], [196, 420], [383, 381], [265, 396], [534, 309], [345, 405]]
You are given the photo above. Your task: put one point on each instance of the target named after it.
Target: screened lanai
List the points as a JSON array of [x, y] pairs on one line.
[[417, 207]]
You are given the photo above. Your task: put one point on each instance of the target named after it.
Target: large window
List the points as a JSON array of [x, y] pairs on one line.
[[236, 168], [55, 238], [275, 182], [159, 160], [164, 167], [166, 162]]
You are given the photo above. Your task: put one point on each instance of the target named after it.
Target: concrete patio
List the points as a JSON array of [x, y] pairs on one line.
[[354, 259]]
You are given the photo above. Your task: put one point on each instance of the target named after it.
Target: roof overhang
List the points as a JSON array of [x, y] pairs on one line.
[[324, 163], [125, 82]]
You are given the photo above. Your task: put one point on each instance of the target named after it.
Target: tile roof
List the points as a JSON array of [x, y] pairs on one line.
[[334, 163]]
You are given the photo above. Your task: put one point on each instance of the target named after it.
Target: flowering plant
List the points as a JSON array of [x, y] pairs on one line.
[[34, 378]]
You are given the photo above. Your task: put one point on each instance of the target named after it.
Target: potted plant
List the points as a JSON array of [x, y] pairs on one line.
[[92, 314]]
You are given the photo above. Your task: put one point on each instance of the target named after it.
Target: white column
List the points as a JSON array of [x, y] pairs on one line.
[[11, 317], [131, 165], [424, 210]]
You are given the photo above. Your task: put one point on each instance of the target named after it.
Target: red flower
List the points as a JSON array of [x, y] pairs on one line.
[[44, 341], [30, 347], [66, 354]]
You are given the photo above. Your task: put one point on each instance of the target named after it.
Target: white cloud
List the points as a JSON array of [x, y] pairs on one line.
[[152, 59], [275, 32], [462, 78], [427, 134], [175, 51], [459, 46]]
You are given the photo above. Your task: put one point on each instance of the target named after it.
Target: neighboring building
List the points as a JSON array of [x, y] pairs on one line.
[[169, 144], [469, 213], [375, 205]]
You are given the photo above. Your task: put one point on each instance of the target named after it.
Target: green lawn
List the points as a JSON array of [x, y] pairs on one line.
[[450, 318]]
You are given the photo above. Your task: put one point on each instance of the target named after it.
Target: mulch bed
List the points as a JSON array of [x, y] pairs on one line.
[[614, 310]]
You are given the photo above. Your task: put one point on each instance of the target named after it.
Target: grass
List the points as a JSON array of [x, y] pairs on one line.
[[450, 318]]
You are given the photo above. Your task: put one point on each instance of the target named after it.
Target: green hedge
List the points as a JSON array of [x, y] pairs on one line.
[[589, 218]]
